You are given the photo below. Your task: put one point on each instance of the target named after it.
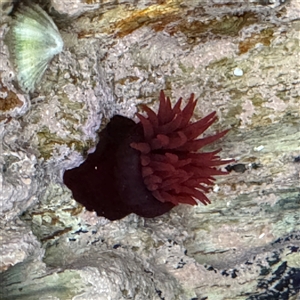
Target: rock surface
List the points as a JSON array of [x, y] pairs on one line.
[[240, 58]]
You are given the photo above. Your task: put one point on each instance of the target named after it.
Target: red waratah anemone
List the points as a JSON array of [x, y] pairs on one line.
[[149, 167]]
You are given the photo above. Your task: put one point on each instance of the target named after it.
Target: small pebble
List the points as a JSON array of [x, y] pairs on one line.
[[238, 72], [259, 148]]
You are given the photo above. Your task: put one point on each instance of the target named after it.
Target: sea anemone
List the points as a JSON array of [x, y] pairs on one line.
[[33, 41], [149, 167]]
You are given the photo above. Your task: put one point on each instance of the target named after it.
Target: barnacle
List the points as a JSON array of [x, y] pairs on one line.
[[33, 41], [149, 167]]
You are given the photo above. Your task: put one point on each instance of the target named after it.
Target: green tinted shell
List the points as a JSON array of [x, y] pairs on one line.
[[33, 41]]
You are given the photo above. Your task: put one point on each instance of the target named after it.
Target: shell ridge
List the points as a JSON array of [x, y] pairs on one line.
[[33, 41]]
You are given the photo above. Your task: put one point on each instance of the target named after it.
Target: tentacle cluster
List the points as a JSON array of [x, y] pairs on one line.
[[172, 168]]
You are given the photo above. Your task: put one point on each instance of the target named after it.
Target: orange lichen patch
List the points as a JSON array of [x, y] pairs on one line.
[[162, 23], [124, 19], [91, 1], [158, 18], [74, 211], [264, 37], [154, 14], [10, 101], [56, 234], [228, 25], [165, 15], [128, 78]]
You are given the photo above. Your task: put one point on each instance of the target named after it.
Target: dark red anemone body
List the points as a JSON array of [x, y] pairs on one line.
[[149, 167]]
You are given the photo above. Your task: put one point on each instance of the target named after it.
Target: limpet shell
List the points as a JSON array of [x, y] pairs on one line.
[[33, 41]]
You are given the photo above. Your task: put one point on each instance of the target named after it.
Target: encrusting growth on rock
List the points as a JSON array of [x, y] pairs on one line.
[[149, 167]]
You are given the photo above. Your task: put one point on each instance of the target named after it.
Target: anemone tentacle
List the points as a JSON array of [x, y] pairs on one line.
[[173, 168]]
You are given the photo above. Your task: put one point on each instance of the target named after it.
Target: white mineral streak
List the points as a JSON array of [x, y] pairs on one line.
[[220, 251]]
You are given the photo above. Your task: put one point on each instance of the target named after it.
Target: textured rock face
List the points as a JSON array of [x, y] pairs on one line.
[[17, 244], [241, 58]]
